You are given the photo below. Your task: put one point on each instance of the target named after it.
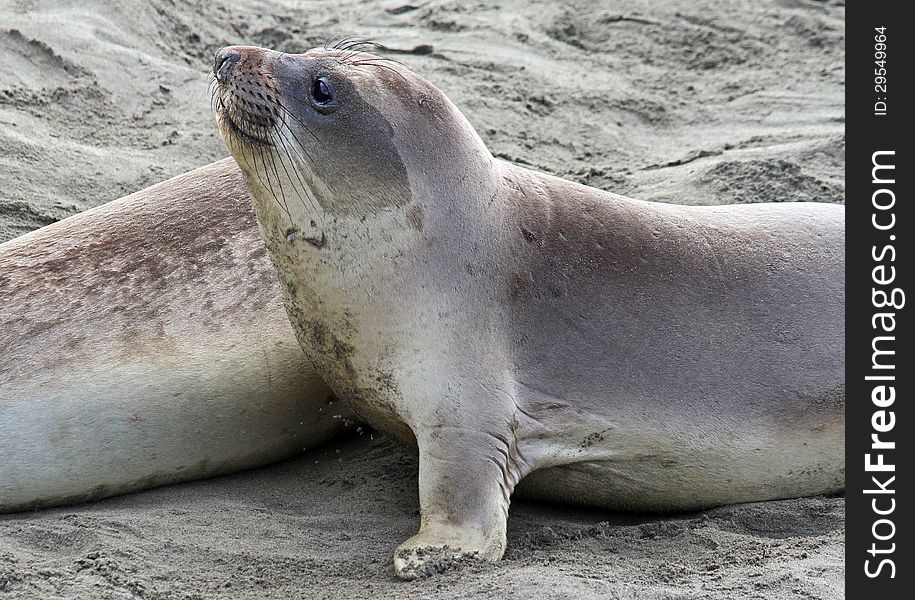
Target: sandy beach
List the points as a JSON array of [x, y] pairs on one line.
[[689, 102]]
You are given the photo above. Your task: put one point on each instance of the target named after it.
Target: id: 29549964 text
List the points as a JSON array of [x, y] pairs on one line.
[[880, 104]]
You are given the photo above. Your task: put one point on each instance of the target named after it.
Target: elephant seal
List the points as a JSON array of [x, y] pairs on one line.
[[513, 325], [144, 342]]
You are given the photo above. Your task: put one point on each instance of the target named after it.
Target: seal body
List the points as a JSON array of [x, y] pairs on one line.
[[144, 342], [516, 326]]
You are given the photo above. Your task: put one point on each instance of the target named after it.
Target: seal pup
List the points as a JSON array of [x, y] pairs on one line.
[[516, 326], [144, 342]]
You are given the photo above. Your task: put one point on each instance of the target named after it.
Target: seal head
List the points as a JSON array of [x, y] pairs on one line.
[[336, 126]]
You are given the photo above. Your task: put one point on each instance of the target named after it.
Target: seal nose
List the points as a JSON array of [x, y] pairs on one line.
[[225, 61]]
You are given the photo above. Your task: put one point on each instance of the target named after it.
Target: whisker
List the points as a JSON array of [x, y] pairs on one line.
[[269, 185], [295, 170], [351, 46], [280, 183], [343, 43], [300, 145], [299, 121], [380, 66], [348, 42], [261, 181], [332, 41], [279, 105], [374, 58], [363, 44], [298, 148], [215, 98]]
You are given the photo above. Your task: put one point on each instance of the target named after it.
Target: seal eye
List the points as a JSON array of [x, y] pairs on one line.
[[323, 92]]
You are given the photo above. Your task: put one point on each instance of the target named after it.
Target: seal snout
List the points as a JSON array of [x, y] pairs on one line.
[[245, 96]]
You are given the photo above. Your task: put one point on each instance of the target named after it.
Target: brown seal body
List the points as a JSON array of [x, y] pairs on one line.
[[516, 326], [144, 342]]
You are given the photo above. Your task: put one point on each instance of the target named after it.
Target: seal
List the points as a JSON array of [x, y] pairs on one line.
[[516, 326], [144, 342]]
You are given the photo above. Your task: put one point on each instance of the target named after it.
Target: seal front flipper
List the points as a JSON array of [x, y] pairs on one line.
[[466, 478]]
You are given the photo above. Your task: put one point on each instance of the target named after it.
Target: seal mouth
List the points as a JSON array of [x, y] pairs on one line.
[[238, 132]]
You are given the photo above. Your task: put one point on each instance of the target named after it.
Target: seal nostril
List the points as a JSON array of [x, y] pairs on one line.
[[226, 59]]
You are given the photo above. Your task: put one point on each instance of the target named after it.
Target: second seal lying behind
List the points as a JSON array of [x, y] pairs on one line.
[[513, 325], [144, 342]]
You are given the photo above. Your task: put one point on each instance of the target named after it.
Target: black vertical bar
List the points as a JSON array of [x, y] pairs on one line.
[[879, 225]]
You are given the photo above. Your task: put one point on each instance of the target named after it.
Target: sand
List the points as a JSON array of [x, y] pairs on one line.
[[693, 102]]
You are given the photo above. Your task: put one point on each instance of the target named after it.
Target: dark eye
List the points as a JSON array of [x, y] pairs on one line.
[[323, 91]]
